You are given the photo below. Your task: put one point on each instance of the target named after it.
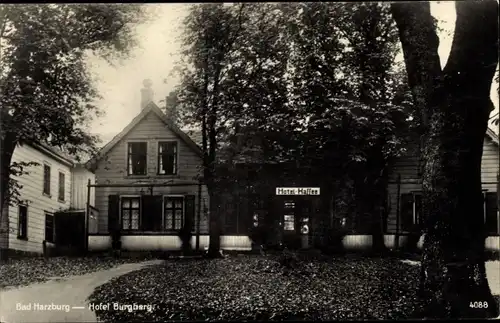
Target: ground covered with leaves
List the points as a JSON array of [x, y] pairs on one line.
[[25, 271], [260, 288]]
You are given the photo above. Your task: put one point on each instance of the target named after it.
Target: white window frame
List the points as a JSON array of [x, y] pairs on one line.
[[177, 155], [140, 210], [127, 165], [163, 209]]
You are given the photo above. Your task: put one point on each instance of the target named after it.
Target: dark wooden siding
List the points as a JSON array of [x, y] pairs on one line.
[[407, 166]]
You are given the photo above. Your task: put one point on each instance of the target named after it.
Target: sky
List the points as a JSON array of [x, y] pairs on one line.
[[158, 51]]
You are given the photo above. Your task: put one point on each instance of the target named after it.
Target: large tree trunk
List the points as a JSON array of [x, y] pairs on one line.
[[7, 146], [370, 189], [377, 228], [455, 105], [378, 181], [453, 254], [214, 227], [214, 216]]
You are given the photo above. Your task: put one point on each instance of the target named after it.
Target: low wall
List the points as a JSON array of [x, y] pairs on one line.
[[242, 243], [140, 242], [362, 242]]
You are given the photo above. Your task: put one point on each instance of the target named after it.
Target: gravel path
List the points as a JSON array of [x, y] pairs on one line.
[[68, 296]]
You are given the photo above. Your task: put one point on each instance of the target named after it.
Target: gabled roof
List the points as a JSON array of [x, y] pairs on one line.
[[492, 135], [151, 107], [59, 153], [195, 135], [53, 152]]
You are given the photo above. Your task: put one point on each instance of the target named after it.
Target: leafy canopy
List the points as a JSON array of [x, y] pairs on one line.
[[46, 90]]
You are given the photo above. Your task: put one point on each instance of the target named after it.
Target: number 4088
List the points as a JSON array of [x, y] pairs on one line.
[[478, 304]]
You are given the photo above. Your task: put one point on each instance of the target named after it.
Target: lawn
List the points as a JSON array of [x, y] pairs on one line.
[[256, 288], [25, 271]]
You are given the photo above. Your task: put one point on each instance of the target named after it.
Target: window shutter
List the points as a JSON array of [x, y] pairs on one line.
[[244, 218], [189, 201], [113, 212], [230, 216], [406, 216], [151, 212], [158, 213], [147, 215], [491, 221], [418, 209]]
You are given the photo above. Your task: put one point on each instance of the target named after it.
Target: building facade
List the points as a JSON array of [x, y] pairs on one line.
[[148, 186], [46, 188]]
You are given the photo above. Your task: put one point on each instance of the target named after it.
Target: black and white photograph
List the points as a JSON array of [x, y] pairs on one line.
[[249, 161]]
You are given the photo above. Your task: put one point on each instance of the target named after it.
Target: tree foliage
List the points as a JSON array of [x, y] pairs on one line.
[[280, 83], [211, 31], [46, 90]]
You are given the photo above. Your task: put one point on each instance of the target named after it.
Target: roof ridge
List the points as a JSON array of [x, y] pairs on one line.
[[150, 107], [493, 136]]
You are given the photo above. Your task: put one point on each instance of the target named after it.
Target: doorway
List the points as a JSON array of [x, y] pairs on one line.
[[295, 220]]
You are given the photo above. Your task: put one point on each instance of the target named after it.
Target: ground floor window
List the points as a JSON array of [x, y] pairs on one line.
[[49, 227], [151, 213], [411, 211], [173, 212], [412, 217], [130, 213], [289, 216]]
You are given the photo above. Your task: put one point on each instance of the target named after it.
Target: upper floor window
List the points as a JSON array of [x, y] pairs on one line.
[[22, 225], [167, 158], [62, 182], [46, 179], [137, 158]]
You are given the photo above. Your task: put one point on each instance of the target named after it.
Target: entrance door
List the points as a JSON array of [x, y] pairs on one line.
[[290, 223], [295, 217]]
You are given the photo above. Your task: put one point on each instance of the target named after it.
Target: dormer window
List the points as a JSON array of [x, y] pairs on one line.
[[167, 158], [137, 158]]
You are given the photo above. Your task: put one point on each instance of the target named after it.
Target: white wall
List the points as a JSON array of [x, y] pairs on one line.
[[155, 243], [38, 203], [149, 243], [79, 184]]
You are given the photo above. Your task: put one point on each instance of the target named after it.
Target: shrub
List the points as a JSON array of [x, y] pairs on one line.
[[332, 241], [259, 236], [185, 235], [288, 260], [116, 242]]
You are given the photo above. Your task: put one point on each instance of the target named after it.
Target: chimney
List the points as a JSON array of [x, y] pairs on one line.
[[146, 93]]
